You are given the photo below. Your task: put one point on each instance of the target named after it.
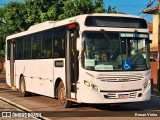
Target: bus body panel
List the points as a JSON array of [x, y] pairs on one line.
[[38, 75], [47, 77]]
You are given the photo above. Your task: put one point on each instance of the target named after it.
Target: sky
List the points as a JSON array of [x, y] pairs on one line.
[[132, 7]]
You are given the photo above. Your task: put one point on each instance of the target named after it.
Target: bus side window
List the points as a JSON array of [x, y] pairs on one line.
[[57, 48], [36, 46], [27, 47], [47, 44], [19, 48], [59, 42]]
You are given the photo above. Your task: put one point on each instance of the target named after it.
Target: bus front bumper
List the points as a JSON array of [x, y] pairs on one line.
[[102, 97]]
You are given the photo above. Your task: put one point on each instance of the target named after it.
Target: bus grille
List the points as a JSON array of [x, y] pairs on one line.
[[120, 78]]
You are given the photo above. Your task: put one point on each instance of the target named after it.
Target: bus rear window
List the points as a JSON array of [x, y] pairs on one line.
[[118, 22]]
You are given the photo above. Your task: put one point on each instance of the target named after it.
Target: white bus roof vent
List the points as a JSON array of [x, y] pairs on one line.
[[42, 26]]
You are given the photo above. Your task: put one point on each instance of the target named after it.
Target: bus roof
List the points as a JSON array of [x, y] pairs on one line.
[[51, 24]]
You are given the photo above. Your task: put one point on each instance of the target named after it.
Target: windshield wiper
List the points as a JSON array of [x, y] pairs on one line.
[[105, 34]]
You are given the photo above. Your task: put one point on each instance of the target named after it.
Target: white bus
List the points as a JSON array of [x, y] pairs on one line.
[[91, 58]]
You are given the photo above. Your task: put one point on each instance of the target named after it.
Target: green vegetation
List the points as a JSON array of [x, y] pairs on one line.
[[19, 16]]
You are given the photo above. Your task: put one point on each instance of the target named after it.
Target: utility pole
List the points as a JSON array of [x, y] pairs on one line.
[[158, 22]]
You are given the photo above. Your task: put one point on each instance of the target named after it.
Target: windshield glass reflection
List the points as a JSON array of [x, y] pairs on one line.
[[115, 51]]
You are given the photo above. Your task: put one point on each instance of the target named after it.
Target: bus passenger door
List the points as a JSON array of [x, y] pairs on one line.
[[12, 63], [71, 64]]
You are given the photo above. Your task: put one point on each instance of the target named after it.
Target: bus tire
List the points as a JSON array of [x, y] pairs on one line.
[[24, 93], [62, 96]]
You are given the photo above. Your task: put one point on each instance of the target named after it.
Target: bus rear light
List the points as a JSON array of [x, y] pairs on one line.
[[87, 83]]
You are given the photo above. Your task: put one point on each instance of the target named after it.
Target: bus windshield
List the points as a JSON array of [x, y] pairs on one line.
[[115, 51]]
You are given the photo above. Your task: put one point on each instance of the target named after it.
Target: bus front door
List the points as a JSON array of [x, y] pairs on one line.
[[71, 65]]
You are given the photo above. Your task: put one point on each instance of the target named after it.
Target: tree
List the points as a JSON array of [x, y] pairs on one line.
[[99, 6], [54, 11], [41, 10], [113, 10], [77, 7], [19, 16], [14, 15], [2, 36], [12, 20]]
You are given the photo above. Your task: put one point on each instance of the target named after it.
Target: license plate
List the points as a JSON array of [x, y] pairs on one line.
[[122, 96]]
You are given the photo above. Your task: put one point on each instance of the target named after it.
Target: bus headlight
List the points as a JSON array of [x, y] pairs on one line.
[[147, 83], [94, 87], [87, 83]]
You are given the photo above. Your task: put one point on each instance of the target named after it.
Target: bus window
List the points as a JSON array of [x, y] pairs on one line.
[[27, 47], [36, 46], [59, 42], [47, 44], [19, 48]]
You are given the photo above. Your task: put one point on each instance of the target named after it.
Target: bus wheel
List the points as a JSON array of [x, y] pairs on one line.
[[62, 96], [24, 93]]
